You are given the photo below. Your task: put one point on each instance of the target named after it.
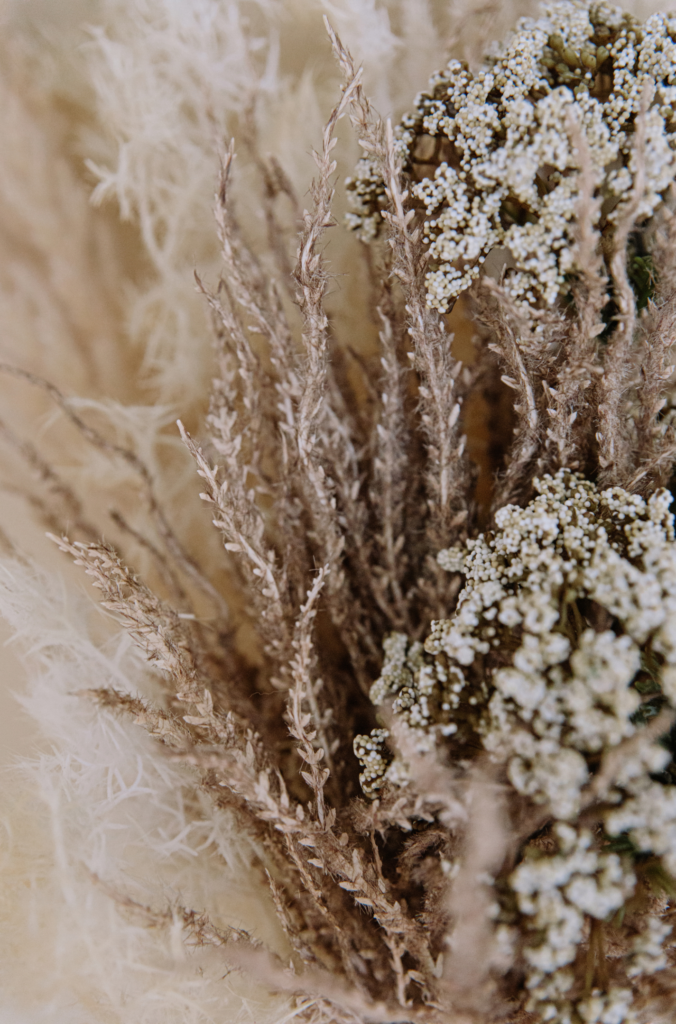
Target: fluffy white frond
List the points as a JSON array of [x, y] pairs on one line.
[[101, 803]]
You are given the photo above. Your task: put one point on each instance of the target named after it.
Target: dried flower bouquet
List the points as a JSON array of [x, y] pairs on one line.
[[442, 729]]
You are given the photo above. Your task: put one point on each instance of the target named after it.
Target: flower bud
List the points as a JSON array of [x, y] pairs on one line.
[[570, 57]]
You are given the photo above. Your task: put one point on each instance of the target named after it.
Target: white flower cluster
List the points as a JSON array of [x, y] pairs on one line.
[[503, 167], [648, 948], [425, 694], [567, 614], [612, 1007], [562, 645], [555, 895]]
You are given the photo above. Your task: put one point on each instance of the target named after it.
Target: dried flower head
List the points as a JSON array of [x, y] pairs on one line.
[[561, 649], [495, 164]]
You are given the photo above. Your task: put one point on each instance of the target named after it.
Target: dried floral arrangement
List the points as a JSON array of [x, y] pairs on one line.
[[435, 733]]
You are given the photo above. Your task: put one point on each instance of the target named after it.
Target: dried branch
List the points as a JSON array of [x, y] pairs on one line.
[[305, 691], [242, 526], [154, 626], [392, 472], [440, 391]]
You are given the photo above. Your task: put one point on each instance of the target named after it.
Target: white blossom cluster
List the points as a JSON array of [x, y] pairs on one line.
[[562, 645], [425, 693], [555, 895], [504, 168], [568, 612]]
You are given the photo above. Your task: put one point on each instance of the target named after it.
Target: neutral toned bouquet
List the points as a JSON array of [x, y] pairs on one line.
[[382, 729]]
